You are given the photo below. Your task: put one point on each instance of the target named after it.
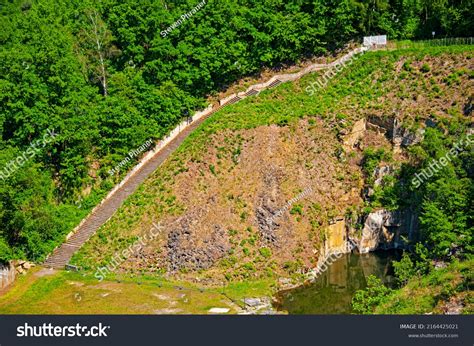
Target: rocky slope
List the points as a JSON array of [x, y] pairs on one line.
[[254, 191]]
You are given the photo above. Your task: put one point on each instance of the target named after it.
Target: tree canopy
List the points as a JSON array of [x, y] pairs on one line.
[[100, 74]]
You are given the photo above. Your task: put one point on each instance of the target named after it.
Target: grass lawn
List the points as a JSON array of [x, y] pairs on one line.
[[42, 291]]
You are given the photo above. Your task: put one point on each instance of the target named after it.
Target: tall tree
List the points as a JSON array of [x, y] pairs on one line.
[[96, 40]]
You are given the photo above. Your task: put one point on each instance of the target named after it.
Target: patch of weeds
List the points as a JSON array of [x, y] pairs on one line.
[[212, 168], [252, 240], [236, 154], [296, 209], [283, 122], [228, 262], [425, 68], [265, 252], [249, 267], [407, 66], [232, 232]]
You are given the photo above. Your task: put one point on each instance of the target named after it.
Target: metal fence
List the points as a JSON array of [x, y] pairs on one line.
[[449, 41]]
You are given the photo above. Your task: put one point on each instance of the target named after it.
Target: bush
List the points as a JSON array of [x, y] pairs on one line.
[[425, 68], [297, 209], [365, 301], [404, 269], [265, 252]]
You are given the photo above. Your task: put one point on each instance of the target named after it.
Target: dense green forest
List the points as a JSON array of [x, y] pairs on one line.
[[444, 205], [102, 78]]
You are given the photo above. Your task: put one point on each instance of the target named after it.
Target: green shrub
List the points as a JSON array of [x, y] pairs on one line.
[[407, 66], [265, 252], [296, 209], [365, 301], [212, 168], [425, 68], [404, 269]]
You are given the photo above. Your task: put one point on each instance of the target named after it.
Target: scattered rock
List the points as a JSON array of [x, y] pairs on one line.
[[404, 137], [267, 223], [252, 302], [380, 173], [218, 310], [357, 133], [368, 191], [258, 306], [161, 296], [285, 281], [267, 212], [184, 253], [28, 265], [453, 307], [22, 267]]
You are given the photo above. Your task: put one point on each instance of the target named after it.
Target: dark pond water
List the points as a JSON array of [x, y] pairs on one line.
[[332, 291]]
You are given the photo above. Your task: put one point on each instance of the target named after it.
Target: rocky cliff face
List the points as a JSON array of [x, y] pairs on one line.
[[392, 127], [382, 229], [386, 229], [337, 237], [8, 273], [335, 243]]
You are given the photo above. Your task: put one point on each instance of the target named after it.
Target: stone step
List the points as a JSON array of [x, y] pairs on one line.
[[274, 83]]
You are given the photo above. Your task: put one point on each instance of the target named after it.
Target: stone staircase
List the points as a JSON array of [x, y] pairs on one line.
[[61, 255]]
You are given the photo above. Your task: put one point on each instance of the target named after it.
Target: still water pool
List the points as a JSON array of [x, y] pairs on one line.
[[332, 291]]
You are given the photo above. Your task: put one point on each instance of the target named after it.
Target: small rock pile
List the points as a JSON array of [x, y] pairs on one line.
[[22, 267], [258, 306]]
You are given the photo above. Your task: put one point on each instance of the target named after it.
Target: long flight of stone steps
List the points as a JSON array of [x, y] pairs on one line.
[[61, 256]]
